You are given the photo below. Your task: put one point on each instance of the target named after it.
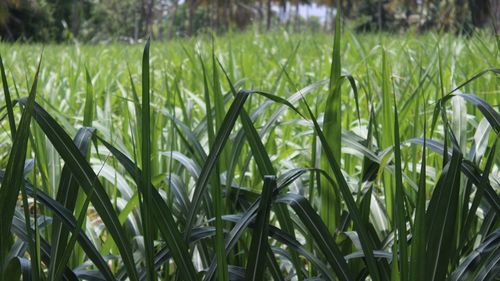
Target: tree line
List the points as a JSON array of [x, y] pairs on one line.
[[98, 20]]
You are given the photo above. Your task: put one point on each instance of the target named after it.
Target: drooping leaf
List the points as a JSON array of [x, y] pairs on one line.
[[88, 180]]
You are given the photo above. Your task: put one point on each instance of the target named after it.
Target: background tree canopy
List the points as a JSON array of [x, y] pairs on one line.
[[127, 20]]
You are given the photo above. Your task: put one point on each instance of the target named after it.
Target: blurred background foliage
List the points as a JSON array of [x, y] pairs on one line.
[[130, 20]]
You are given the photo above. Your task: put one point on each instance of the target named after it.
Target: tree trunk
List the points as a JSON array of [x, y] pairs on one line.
[[346, 9], [149, 17], [269, 14], [137, 27], [260, 8], [327, 12], [215, 15], [142, 20], [172, 21], [227, 5], [76, 8], [283, 11], [332, 18], [380, 15], [480, 12], [191, 17], [460, 15], [495, 15]]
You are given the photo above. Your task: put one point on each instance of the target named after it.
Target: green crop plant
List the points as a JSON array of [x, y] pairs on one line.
[[252, 157]]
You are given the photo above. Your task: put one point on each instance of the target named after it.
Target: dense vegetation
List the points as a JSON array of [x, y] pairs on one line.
[[252, 157], [131, 20]]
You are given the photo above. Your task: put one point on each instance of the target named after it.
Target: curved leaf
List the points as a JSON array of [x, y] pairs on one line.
[[88, 180]]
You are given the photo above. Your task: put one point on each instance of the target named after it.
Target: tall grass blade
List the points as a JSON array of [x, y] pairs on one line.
[[332, 126], [256, 258], [387, 138], [272, 265], [399, 210], [235, 234], [263, 160], [164, 255], [222, 269], [441, 218], [220, 140], [8, 100], [219, 109], [479, 196], [319, 232], [478, 256], [18, 228], [164, 218], [71, 244], [145, 183], [89, 107], [359, 225], [88, 180], [284, 238], [67, 194], [417, 264], [476, 76], [138, 112], [208, 106], [488, 111], [13, 179], [66, 218], [468, 169], [32, 243]]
